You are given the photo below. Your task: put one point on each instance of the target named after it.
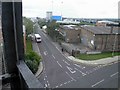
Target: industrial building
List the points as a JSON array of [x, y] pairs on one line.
[[48, 16], [94, 37], [71, 33], [100, 38]]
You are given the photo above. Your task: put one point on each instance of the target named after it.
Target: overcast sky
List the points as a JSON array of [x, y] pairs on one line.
[[72, 8]]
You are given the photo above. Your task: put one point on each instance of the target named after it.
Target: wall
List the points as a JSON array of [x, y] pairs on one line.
[[87, 38], [72, 36], [107, 42]]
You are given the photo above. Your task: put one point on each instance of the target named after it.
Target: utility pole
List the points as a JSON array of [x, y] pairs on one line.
[[114, 44]]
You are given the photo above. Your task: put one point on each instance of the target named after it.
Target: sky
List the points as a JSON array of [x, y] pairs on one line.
[[71, 8]]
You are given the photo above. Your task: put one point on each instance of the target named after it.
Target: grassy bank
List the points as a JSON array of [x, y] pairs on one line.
[[28, 46], [32, 59], [90, 57]]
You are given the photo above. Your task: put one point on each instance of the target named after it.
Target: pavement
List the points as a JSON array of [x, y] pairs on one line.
[[103, 61], [97, 62], [40, 67]]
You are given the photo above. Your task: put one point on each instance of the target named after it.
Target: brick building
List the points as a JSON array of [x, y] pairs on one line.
[[100, 38], [71, 33]]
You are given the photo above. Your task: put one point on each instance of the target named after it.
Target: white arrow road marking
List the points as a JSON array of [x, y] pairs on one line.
[[80, 72], [70, 69], [97, 83]]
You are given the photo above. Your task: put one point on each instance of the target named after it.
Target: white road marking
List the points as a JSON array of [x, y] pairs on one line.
[[45, 53], [57, 48], [59, 64], [97, 83], [45, 85], [114, 74], [66, 62], [56, 87], [68, 81], [80, 72], [61, 84], [70, 76], [65, 83], [53, 56], [70, 69], [83, 68], [79, 66]]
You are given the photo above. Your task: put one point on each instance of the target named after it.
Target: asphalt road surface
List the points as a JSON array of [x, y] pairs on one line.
[[60, 72]]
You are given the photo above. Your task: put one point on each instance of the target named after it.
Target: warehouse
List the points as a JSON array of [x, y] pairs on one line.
[[100, 38]]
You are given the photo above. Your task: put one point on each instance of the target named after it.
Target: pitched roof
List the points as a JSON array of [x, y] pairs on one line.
[[101, 30]]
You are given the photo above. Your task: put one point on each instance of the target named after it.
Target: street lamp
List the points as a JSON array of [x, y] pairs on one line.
[[114, 44]]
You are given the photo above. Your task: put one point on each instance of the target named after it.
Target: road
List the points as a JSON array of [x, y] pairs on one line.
[[60, 72]]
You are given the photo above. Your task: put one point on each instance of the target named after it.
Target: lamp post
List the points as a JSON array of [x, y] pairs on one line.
[[114, 44]]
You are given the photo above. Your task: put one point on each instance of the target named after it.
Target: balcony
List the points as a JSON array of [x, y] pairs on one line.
[[18, 75]]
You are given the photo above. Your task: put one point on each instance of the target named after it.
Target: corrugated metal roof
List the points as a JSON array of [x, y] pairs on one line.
[[101, 30]]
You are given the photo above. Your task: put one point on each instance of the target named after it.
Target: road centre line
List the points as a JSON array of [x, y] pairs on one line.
[[59, 64], [114, 74], [98, 83]]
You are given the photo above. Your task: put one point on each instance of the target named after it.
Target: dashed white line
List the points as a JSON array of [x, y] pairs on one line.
[[65, 83], [70, 76], [97, 83], [80, 72], [44, 78], [45, 53], [114, 74], [61, 84], [68, 81], [59, 64], [53, 56], [56, 87], [66, 62], [79, 66]]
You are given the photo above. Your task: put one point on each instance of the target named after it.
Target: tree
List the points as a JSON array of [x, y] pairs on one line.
[[52, 28], [41, 22], [28, 24]]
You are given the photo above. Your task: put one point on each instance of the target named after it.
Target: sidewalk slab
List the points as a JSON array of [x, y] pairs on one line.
[[40, 67]]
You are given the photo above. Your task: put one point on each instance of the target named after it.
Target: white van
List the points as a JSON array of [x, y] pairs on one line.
[[37, 38]]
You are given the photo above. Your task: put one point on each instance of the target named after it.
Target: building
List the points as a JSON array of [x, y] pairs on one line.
[[100, 38], [105, 23], [71, 33], [49, 16]]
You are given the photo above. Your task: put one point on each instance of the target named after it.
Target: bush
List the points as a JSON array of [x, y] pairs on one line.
[[32, 60]]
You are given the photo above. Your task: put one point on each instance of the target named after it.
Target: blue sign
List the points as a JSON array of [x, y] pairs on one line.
[[57, 18]]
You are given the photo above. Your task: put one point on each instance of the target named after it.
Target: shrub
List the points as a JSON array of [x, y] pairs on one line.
[[32, 60]]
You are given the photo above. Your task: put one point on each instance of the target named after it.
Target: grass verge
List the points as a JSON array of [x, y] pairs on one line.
[[90, 57]]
